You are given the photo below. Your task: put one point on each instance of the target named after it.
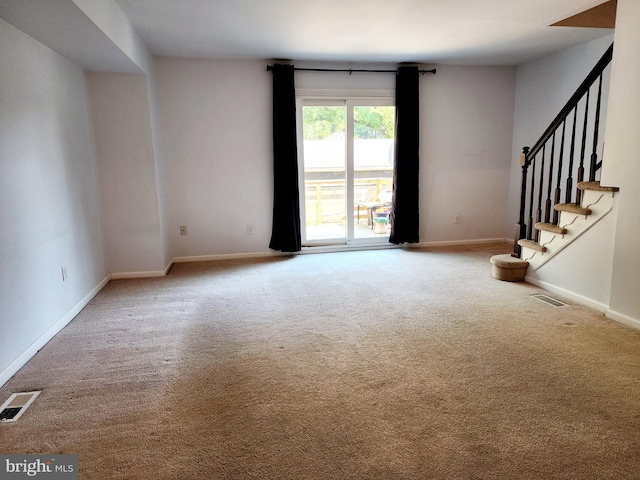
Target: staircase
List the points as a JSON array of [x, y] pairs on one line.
[[552, 212], [573, 221]]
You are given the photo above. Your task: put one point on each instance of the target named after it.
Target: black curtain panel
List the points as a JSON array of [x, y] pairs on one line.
[[285, 233], [404, 213]]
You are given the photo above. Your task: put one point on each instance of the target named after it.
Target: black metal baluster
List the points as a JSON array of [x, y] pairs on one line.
[[558, 192], [540, 189], [594, 154], [583, 148], [521, 227], [569, 189], [549, 207], [533, 176]]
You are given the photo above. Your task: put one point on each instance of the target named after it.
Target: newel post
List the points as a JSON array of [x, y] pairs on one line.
[[521, 227]]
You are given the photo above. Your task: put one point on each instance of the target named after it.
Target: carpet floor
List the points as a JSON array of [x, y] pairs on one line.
[[381, 364]]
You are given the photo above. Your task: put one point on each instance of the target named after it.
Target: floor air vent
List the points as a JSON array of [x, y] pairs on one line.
[[13, 408], [551, 301]]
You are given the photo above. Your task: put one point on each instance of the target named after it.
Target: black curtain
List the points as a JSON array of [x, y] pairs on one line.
[[285, 232], [404, 213]]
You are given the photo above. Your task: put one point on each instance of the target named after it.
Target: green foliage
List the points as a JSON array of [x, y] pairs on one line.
[[369, 122], [374, 122], [322, 122]]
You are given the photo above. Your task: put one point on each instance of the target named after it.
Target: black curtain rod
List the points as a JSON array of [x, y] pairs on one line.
[[350, 71]]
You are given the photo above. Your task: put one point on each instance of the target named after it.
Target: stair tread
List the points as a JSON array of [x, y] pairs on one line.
[[595, 186], [532, 244], [550, 227], [572, 208]]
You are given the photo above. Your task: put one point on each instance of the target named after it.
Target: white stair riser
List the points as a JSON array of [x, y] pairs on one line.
[[600, 204]]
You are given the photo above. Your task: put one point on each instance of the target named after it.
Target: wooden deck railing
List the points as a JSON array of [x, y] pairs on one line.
[[325, 200]]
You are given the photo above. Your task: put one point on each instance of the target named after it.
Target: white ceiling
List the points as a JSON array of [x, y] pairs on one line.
[[488, 32]]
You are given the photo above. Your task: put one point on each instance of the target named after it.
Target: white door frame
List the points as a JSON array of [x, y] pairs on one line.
[[349, 101]]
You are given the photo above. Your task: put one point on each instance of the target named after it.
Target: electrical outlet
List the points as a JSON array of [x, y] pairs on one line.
[[249, 229], [456, 218], [64, 273], [183, 230]]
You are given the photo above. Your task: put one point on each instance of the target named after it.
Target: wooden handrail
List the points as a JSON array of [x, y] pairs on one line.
[[571, 104]]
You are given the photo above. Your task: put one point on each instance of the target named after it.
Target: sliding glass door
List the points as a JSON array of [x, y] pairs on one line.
[[346, 155]]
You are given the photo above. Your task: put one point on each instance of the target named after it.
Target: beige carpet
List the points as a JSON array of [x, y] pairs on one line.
[[386, 364]]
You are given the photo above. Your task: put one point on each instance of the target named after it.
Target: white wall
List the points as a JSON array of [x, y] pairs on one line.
[[622, 167], [134, 240], [160, 169], [50, 209], [466, 126], [215, 119], [582, 270], [216, 128], [129, 151]]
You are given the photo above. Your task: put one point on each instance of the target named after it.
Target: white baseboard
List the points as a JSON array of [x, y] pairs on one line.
[[335, 248], [454, 243], [624, 319], [228, 256], [168, 267], [150, 274], [601, 307], [347, 248], [25, 356]]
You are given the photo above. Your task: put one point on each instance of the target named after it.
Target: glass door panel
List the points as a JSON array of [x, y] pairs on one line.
[[372, 178], [324, 153]]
